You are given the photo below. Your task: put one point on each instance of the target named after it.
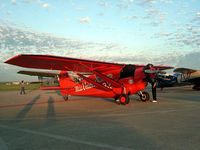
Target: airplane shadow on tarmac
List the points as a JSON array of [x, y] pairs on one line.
[[25, 110], [51, 116], [50, 109]]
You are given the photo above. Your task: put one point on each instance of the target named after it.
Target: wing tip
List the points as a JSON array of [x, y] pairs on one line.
[[10, 61]]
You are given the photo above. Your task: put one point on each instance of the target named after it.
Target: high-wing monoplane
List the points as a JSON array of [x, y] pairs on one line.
[[94, 78], [189, 75]]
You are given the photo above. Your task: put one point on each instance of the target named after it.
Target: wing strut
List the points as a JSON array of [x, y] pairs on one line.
[[104, 77], [95, 83]]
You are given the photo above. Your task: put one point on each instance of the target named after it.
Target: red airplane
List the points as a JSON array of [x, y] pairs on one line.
[[95, 78]]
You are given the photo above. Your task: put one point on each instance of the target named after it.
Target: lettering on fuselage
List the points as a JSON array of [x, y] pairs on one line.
[[84, 86], [106, 84]]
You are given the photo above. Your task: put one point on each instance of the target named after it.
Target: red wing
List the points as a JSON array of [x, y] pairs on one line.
[[66, 63], [61, 63]]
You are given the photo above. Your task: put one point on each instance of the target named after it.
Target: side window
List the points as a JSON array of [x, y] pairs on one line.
[[98, 78], [75, 77]]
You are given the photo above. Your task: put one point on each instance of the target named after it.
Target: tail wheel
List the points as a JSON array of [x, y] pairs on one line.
[[124, 99], [145, 96], [65, 97]]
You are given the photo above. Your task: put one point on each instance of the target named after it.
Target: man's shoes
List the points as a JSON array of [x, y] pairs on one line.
[[154, 101]]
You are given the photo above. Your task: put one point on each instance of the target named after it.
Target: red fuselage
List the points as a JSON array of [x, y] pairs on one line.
[[131, 85]]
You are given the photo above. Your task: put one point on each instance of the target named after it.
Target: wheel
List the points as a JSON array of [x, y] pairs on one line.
[[65, 97], [196, 87], [144, 97], [124, 99]]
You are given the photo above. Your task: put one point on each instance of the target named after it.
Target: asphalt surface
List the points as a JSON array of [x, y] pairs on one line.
[[42, 120]]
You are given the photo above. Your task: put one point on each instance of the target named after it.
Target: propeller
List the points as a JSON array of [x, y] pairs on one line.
[[151, 74]]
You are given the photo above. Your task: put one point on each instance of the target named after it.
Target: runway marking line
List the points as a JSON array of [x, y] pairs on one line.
[[26, 104], [64, 138]]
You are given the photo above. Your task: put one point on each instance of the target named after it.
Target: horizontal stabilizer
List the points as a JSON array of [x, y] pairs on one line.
[[56, 88], [51, 88]]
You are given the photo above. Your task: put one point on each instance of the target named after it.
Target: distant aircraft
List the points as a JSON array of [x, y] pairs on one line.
[[189, 75], [166, 80], [181, 77], [104, 79]]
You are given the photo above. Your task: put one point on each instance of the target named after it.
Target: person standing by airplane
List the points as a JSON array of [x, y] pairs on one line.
[[22, 87], [154, 91], [151, 78]]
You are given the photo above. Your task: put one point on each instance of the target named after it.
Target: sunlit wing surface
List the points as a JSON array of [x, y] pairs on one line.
[[60, 63], [66, 63]]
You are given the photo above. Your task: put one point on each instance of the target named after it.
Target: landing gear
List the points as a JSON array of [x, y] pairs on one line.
[[144, 96], [65, 97], [123, 99], [196, 87]]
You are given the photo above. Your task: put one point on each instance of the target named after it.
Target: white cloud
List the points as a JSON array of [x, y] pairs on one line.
[[130, 17], [165, 34], [45, 5], [80, 8], [123, 6], [102, 3], [86, 19], [147, 2], [67, 20], [13, 1], [28, 1]]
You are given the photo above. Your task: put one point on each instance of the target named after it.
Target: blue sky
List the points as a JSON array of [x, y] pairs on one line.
[[165, 32]]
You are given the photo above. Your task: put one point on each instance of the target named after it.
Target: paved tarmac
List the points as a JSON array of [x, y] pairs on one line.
[[42, 120]]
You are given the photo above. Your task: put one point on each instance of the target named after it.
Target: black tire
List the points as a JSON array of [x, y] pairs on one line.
[[144, 97], [124, 99], [196, 87], [66, 97]]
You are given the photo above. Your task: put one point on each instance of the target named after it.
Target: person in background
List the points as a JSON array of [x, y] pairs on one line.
[[22, 87]]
